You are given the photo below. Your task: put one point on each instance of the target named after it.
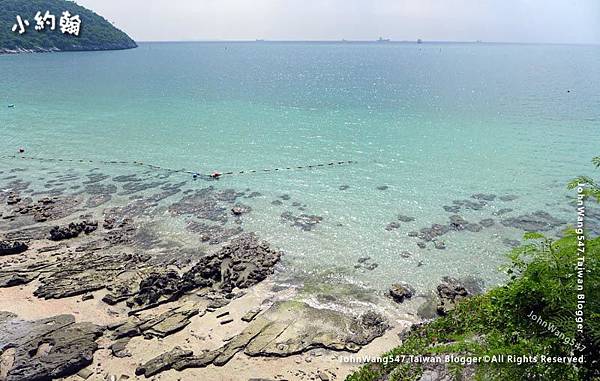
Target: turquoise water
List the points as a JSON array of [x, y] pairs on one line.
[[433, 122]]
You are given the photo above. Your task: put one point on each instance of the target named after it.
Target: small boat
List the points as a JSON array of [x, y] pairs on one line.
[[11, 106]]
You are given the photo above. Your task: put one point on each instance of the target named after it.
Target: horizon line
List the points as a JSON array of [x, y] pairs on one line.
[[378, 42]]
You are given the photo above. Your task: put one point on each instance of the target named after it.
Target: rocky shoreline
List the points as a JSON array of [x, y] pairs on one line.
[[9, 51], [69, 244], [23, 50], [90, 287]]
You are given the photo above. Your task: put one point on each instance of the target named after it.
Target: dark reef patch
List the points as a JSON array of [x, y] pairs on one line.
[[303, 221]]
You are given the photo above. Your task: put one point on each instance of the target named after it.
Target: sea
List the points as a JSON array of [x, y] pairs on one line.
[[361, 143]]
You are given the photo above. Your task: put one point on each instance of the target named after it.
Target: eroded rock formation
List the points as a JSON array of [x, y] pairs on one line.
[[45, 349], [287, 328], [12, 247], [242, 263]]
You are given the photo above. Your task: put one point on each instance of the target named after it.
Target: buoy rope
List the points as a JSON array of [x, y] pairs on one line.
[[194, 174]]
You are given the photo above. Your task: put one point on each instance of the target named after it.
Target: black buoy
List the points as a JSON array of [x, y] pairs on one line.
[[21, 150]]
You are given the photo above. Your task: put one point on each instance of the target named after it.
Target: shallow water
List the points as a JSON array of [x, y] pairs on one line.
[[434, 123]]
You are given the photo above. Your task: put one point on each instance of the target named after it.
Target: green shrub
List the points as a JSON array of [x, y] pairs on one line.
[[544, 282]]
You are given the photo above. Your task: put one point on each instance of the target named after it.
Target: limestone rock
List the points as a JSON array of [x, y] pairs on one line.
[[487, 222], [285, 329], [17, 278], [240, 209], [242, 263], [169, 322], [440, 245], [457, 222], [403, 218], [468, 204], [213, 234], [289, 328], [13, 198], [392, 225], [485, 197], [156, 285], [119, 348], [436, 230], [204, 204], [46, 349], [250, 315], [452, 209], [11, 248], [452, 290], [46, 208], [162, 362], [399, 292], [539, 221], [85, 273], [160, 326], [502, 211], [72, 230], [303, 221]]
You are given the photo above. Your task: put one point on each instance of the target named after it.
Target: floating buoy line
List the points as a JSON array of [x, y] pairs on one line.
[[195, 174]]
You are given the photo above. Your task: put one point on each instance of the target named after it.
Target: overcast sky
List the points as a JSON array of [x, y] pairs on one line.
[[571, 21]]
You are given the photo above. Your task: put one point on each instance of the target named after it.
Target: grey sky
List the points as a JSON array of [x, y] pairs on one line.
[[572, 21]]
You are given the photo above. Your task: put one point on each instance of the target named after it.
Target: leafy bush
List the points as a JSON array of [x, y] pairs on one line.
[[544, 283], [592, 187]]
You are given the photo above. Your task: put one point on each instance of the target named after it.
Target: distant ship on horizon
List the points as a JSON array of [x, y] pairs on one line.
[[381, 39]]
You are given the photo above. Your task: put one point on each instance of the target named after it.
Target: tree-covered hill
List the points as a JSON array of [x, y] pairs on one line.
[[96, 33]]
